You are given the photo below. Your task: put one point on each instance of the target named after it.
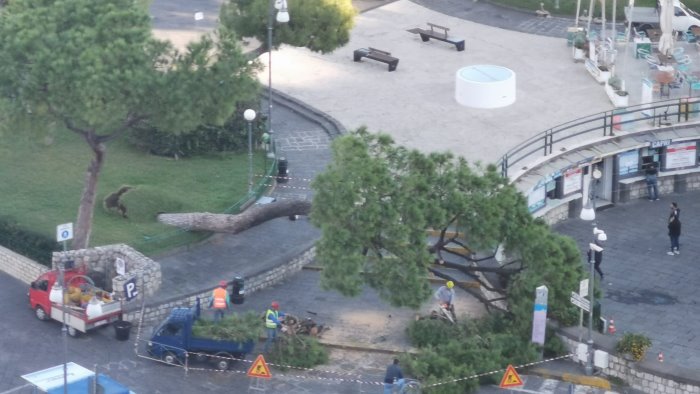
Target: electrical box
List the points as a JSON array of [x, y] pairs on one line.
[[600, 359], [582, 352]]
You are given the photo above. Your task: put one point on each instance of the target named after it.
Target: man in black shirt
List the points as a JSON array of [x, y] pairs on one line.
[[393, 377]]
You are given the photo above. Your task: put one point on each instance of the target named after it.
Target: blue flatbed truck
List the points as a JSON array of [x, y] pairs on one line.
[[172, 340]]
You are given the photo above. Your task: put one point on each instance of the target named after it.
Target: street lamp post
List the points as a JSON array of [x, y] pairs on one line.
[[588, 214], [282, 16], [58, 296], [249, 116]]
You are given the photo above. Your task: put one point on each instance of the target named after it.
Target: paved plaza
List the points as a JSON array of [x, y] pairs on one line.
[[644, 289]]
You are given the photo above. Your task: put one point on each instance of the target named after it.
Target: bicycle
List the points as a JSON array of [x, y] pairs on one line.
[[410, 386]]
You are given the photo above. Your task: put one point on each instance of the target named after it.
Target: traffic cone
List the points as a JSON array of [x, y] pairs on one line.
[[661, 357], [611, 327]]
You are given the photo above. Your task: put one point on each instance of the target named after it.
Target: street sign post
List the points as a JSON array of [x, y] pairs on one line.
[[64, 232], [583, 288], [580, 302]]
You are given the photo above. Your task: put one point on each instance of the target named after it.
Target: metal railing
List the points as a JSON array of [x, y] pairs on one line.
[[604, 124]]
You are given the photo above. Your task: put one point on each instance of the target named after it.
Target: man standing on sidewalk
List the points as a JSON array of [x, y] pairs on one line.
[[651, 174], [674, 229]]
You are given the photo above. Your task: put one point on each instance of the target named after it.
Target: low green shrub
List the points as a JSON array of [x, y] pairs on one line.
[[431, 332], [634, 344], [298, 351], [35, 246], [230, 137]]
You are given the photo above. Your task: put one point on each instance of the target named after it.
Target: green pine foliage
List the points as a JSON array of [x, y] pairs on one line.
[[238, 327], [464, 350], [319, 25], [299, 351], [374, 204]]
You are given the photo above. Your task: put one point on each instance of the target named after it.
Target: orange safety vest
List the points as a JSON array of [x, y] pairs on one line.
[[220, 296]]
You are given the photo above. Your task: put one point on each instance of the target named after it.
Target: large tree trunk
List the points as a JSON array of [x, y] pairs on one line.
[[223, 223], [86, 210]]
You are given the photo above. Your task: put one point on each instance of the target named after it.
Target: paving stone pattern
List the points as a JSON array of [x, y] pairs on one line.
[[645, 290]]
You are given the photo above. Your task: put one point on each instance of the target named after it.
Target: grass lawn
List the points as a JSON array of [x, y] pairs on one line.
[[42, 180], [568, 7]]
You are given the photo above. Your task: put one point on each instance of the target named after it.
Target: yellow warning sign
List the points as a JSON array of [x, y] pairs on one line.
[[259, 369], [510, 378]]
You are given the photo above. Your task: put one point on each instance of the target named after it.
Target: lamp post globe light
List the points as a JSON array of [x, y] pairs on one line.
[[588, 214], [281, 16], [249, 116]]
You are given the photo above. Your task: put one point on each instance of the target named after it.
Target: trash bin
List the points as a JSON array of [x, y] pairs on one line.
[[282, 170], [238, 292], [122, 329]]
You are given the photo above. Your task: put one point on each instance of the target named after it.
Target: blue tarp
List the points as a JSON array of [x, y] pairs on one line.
[[106, 385]]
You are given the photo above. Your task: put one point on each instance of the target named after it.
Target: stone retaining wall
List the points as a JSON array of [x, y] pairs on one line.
[[252, 284], [20, 267], [649, 376], [100, 262]]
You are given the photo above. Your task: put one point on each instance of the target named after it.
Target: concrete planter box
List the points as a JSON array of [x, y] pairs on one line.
[[618, 100]]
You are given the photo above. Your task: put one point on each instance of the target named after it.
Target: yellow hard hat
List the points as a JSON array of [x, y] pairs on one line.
[[450, 284]]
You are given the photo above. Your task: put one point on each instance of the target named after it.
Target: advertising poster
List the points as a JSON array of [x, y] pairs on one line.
[[628, 162], [536, 197], [680, 155], [572, 180]]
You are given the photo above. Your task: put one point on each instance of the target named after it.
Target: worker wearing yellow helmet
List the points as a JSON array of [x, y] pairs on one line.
[[446, 296]]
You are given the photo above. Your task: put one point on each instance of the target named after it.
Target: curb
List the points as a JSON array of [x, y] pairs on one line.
[[593, 381]]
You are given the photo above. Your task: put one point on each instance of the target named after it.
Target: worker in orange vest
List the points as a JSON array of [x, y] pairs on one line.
[[219, 300]]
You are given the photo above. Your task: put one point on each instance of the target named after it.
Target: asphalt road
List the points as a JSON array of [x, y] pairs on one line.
[[30, 345]]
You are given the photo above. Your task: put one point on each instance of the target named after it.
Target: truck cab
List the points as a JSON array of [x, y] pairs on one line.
[[83, 305], [40, 288], [683, 17], [170, 338], [173, 342]]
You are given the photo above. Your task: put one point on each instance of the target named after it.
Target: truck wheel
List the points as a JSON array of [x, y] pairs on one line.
[[171, 358], [222, 361], [73, 332], [40, 313]]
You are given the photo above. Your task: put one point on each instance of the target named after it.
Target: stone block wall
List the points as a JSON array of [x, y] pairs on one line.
[[252, 284], [646, 376], [100, 262], [19, 266]]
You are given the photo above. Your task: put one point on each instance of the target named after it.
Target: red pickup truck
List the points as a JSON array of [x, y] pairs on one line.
[[84, 306]]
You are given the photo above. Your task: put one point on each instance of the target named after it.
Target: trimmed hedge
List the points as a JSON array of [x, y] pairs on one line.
[[230, 137], [35, 246]]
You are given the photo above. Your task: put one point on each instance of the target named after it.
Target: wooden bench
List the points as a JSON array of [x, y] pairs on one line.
[[378, 55], [439, 33]]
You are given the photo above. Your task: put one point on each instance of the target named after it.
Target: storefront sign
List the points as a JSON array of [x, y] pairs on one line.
[[659, 143], [681, 155], [572, 180]]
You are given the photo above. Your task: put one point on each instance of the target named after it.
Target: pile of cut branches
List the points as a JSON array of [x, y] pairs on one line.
[[236, 327]]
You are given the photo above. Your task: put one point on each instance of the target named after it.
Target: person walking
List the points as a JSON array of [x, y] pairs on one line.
[[219, 300], [446, 296], [597, 256], [674, 229], [393, 377], [272, 324], [651, 174]]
